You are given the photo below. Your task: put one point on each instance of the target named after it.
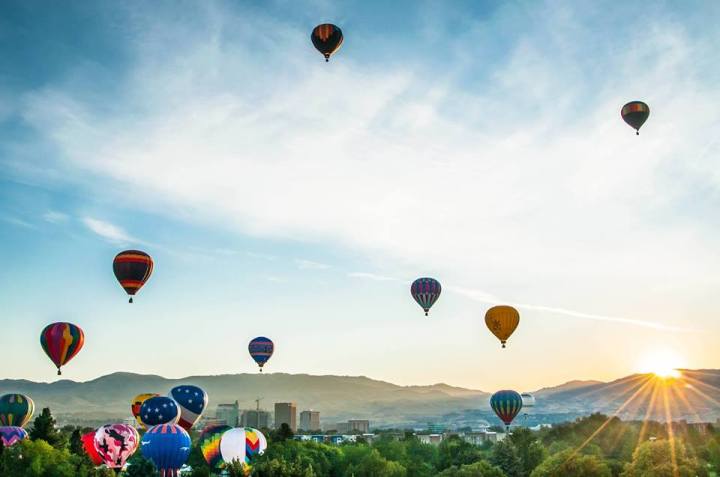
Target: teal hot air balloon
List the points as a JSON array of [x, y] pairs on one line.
[[506, 404], [425, 291], [15, 410]]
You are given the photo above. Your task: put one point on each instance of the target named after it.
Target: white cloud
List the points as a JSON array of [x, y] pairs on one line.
[[303, 264], [110, 232], [372, 276], [55, 217]]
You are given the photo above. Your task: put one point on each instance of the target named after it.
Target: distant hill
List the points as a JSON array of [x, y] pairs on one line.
[[693, 397]]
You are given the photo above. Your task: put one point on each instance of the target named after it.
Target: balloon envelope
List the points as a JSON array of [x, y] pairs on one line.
[[61, 342], [506, 404], [137, 403], [132, 269], [10, 435], [327, 39], [241, 444], [88, 442], [502, 321], [115, 443], [528, 400], [261, 349], [167, 446], [209, 444], [15, 409], [635, 113], [425, 291], [159, 410], [192, 401]]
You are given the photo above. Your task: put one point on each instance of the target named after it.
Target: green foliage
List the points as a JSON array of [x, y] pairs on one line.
[[571, 464], [505, 456], [529, 449], [139, 466], [44, 428], [76, 446], [478, 469], [39, 459], [457, 452], [654, 459]]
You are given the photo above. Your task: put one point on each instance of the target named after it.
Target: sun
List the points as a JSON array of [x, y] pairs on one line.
[[664, 364]]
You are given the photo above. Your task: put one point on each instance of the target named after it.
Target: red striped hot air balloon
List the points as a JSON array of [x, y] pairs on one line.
[[61, 342], [327, 39], [635, 113], [132, 269]]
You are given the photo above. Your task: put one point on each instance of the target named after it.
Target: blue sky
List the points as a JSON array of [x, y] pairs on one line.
[[477, 142]]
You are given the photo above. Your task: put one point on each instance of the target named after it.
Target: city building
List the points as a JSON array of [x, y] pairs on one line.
[[310, 420], [435, 427], [229, 413], [258, 419], [286, 413], [359, 426], [479, 438], [434, 439]]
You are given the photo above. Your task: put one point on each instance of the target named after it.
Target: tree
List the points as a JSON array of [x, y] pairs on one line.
[[457, 452], [39, 459], [505, 456], [283, 434], [364, 461], [44, 428], [654, 459], [139, 466], [568, 463], [478, 469], [530, 451], [76, 445]]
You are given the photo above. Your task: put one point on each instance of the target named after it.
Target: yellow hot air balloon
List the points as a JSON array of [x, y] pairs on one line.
[[137, 402], [502, 321]]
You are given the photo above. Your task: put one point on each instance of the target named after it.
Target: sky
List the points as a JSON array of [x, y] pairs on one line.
[[479, 143]]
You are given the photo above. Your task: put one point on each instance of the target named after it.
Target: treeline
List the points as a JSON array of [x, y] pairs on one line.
[[594, 446]]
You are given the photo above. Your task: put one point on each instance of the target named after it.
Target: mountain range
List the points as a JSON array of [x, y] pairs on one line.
[[694, 396]]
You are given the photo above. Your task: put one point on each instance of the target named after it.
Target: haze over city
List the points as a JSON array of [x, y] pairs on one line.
[[287, 197]]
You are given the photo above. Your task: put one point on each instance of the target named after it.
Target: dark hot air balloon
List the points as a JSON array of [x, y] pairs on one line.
[[61, 342], [137, 403], [425, 291], [159, 410], [192, 401], [635, 113], [506, 404], [168, 447], [132, 269], [261, 349], [327, 39], [15, 410]]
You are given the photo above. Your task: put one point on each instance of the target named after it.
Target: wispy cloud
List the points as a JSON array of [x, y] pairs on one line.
[[110, 232], [55, 217], [18, 222], [372, 276], [303, 264]]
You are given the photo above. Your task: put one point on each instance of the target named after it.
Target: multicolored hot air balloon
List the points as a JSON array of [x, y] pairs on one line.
[[209, 444], [115, 443], [261, 349], [327, 39], [502, 321], [88, 443], [506, 404], [10, 435], [61, 342], [192, 401], [635, 113], [132, 269], [15, 410], [425, 291], [159, 410], [242, 444], [168, 447], [137, 403]]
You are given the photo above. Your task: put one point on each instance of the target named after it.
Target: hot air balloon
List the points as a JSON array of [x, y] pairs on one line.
[[506, 405], [88, 443], [635, 113], [115, 443], [242, 444], [502, 321], [137, 403], [132, 269], [261, 349], [528, 402], [15, 410], [159, 410], [61, 342], [426, 291], [192, 402], [327, 39], [10, 435], [168, 446], [209, 444]]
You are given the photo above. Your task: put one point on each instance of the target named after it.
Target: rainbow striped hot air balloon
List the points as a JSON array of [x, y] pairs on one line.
[[209, 444], [61, 342], [241, 445], [10, 435], [15, 410], [506, 404], [261, 349], [132, 269]]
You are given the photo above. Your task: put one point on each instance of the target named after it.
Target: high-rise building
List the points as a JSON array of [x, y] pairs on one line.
[[310, 420], [286, 413], [255, 418], [230, 413], [361, 426]]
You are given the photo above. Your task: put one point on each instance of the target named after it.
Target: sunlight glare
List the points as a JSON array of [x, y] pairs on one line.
[[663, 364]]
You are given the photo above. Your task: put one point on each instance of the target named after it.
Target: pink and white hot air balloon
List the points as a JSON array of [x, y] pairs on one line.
[[115, 443]]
